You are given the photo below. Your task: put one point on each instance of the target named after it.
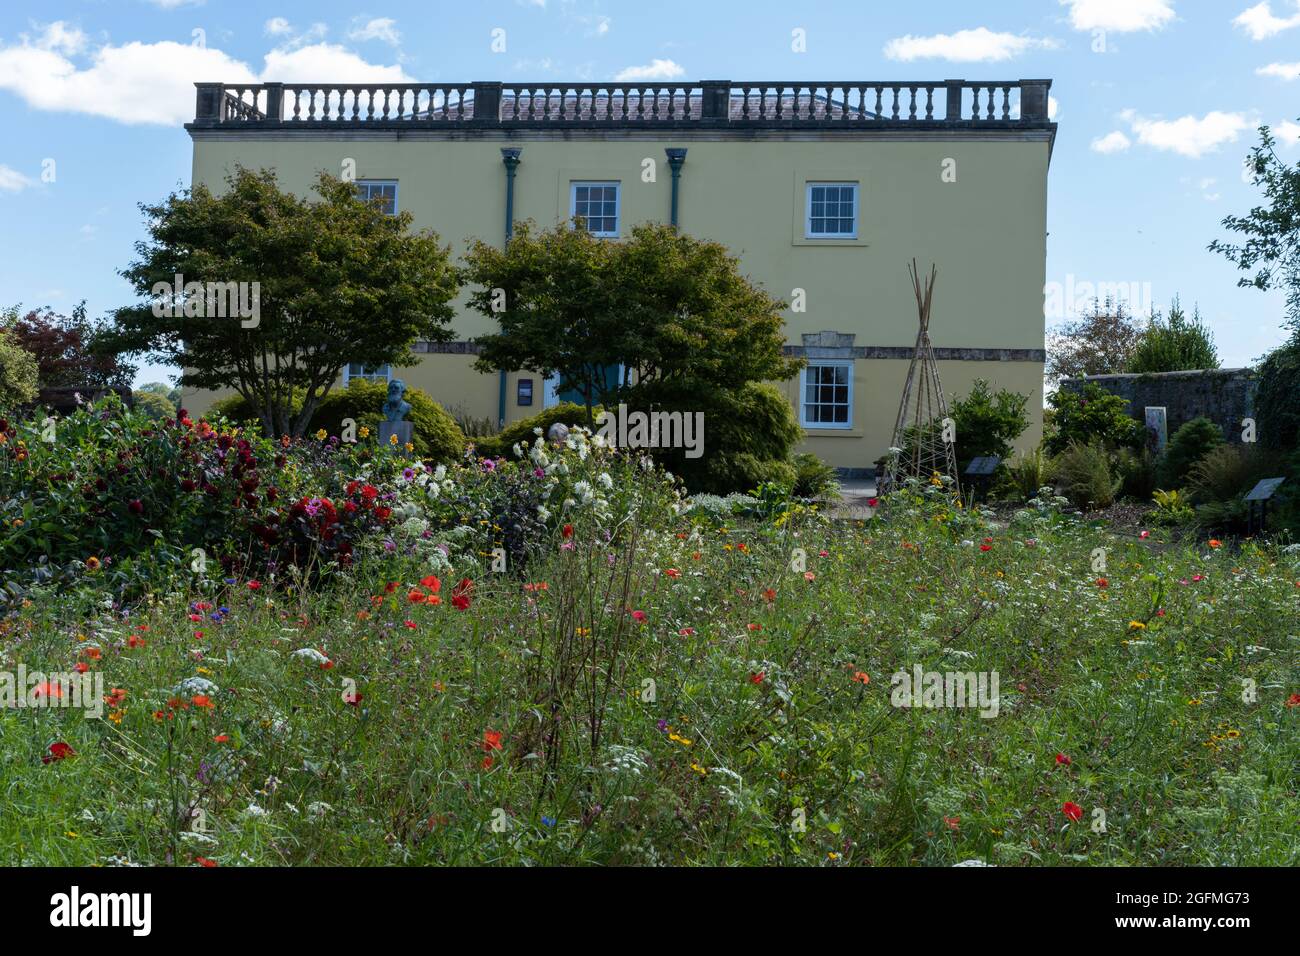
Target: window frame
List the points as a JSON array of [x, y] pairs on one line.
[[358, 183], [803, 395], [348, 374], [618, 205], [808, 232]]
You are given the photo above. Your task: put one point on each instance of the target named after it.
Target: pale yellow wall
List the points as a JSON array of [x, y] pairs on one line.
[[986, 231]]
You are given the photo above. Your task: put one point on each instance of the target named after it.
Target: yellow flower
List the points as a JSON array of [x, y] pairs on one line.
[[409, 447], [392, 439], [365, 432], [684, 741], [698, 769], [1136, 626], [321, 434], [92, 563]]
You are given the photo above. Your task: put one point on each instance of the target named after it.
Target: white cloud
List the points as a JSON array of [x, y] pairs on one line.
[[1283, 71], [308, 64], [597, 26], [173, 4], [277, 27], [1053, 107], [1288, 133], [1261, 24], [12, 181], [1121, 16], [59, 37], [1188, 135], [656, 70], [154, 82], [381, 28], [981, 45], [1115, 142]]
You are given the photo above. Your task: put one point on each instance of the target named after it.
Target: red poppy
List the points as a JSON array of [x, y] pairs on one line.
[[754, 627], [136, 507], [639, 616], [461, 594], [492, 740], [953, 823], [221, 739], [202, 700], [687, 632], [769, 595], [415, 597], [432, 583], [58, 751], [986, 547], [861, 677], [1072, 810], [757, 678], [1103, 583], [254, 585], [1062, 760], [47, 689], [872, 502], [567, 531], [672, 573], [1293, 700], [204, 861]]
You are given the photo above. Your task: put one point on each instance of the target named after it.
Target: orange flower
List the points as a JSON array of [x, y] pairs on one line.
[[415, 597], [1215, 543], [221, 739], [202, 700], [432, 583], [672, 572], [769, 595], [492, 740], [754, 627], [861, 677]]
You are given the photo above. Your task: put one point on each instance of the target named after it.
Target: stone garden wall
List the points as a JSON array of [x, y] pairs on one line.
[[1225, 396]]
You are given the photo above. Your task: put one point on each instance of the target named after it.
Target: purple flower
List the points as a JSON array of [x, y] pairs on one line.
[[408, 473]]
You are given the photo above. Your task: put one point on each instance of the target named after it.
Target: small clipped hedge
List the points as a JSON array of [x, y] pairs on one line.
[[501, 445], [436, 436]]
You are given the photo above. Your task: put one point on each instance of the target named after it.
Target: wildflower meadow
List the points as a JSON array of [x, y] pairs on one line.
[[319, 652]]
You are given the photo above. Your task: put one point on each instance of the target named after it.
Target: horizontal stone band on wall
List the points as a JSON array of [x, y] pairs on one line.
[[907, 351], [799, 351]]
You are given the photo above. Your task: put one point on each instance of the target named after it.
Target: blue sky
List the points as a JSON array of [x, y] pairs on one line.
[[1157, 100]]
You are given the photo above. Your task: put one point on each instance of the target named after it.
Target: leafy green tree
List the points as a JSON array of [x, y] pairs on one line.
[[1175, 344], [1271, 245], [338, 281], [674, 311], [153, 404], [1098, 343], [17, 372]]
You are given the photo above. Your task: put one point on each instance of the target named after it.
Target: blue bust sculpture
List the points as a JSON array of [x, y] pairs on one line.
[[395, 408]]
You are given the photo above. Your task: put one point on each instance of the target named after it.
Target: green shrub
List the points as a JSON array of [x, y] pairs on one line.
[[501, 445], [741, 471], [1172, 508], [236, 408], [1192, 442], [1091, 415], [1222, 517], [988, 423], [1083, 474], [813, 477], [435, 434], [749, 436], [1137, 470], [1021, 477], [1226, 472]]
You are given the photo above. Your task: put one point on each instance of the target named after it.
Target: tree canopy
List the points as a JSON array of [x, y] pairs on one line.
[[1271, 245], [334, 280], [673, 310]]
